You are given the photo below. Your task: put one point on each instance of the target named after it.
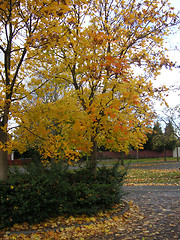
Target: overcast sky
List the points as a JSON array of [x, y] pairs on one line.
[[168, 77]]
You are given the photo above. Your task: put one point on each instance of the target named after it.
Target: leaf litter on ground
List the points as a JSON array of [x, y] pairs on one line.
[[152, 177], [75, 227]]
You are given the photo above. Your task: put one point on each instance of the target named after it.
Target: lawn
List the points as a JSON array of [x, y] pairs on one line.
[[146, 176], [137, 161]]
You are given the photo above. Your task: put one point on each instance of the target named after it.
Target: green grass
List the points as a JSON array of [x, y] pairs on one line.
[[146, 176], [142, 176], [137, 161]]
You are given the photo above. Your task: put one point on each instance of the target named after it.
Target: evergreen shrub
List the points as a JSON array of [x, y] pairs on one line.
[[35, 193]]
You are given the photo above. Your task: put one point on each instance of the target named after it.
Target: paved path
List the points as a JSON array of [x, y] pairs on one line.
[[156, 198], [161, 208]]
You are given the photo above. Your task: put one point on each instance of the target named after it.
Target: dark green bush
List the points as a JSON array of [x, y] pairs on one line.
[[36, 193]]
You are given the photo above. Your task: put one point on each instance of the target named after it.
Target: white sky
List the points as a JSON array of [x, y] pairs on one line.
[[168, 77]]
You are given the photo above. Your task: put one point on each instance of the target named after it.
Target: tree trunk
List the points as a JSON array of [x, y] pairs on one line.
[[137, 156], [177, 154], [93, 158], [122, 158], [165, 155], [3, 166], [3, 158]]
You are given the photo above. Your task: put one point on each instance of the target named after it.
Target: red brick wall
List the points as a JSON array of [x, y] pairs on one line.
[[19, 162], [106, 155], [133, 154], [150, 154]]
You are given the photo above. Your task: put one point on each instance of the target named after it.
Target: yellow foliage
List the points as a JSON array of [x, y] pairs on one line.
[[72, 79]]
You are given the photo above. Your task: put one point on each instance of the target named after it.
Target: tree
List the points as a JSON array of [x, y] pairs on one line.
[[55, 129], [171, 134], [157, 138], [106, 43], [22, 24], [170, 140], [170, 116]]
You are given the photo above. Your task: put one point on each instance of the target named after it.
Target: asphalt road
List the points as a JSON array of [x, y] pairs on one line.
[[165, 197], [160, 206]]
